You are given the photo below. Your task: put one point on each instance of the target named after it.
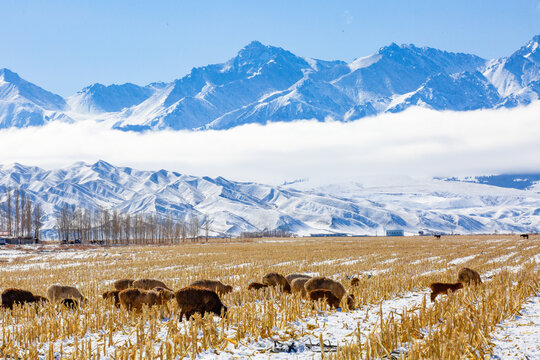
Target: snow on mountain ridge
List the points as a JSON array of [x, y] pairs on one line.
[[233, 207], [264, 83]]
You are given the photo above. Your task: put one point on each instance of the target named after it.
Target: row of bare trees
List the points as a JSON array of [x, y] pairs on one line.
[[112, 227], [19, 216]]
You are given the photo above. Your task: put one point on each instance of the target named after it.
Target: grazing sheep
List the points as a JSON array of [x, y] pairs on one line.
[[70, 303], [113, 294], [193, 300], [355, 281], [213, 285], [12, 296], [275, 279], [443, 288], [325, 294], [149, 284], [291, 277], [135, 299], [59, 292], [321, 282], [350, 302], [123, 284], [256, 286], [297, 286], [466, 275], [41, 299]]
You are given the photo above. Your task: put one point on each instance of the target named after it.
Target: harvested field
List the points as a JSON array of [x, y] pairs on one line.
[[393, 312]]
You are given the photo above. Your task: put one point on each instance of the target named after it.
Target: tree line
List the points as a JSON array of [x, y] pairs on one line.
[[19, 215], [113, 227]]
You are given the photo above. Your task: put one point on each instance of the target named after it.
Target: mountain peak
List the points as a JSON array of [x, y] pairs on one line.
[[9, 76], [256, 49], [255, 44]]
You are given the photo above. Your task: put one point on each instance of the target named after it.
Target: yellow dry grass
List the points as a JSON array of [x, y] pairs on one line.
[[455, 326]]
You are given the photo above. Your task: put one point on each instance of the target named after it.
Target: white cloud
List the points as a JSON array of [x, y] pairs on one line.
[[417, 142]]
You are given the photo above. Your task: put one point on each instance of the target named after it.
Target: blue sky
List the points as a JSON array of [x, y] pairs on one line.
[[66, 45]]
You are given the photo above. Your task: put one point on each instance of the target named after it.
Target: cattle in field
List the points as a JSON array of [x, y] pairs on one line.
[[256, 286], [192, 300], [11, 297], [355, 281], [437, 236], [134, 298], [149, 284], [60, 292], [443, 288], [123, 284], [293, 276], [213, 285], [468, 276], [275, 279], [524, 236]]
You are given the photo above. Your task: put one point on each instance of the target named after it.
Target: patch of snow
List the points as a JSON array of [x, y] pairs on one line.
[[519, 337], [461, 260]]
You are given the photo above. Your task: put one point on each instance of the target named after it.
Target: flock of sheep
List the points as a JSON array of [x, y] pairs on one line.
[[202, 296]]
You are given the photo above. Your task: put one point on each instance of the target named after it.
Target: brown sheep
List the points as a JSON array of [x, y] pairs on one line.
[[327, 295], [321, 282], [60, 292], [193, 300], [70, 303], [135, 299], [149, 284], [12, 296], [41, 299], [297, 286], [256, 286], [291, 277], [275, 279], [350, 301], [443, 288], [355, 281], [467, 276], [113, 294], [123, 284], [213, 285]]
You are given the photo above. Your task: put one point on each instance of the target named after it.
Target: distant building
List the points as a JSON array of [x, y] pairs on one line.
[[329, 235], [394, 233]]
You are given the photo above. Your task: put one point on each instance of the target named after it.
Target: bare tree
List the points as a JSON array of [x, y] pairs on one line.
[[37, 219], [9, 211], [206, 227], [17, 213]]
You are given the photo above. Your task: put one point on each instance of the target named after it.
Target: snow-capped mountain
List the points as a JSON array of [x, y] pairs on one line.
[[24, 104], [264, 83], [433, 205], [98, 98]]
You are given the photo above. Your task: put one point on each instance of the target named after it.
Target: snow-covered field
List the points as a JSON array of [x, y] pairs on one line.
[[519, 337], [266, 324]]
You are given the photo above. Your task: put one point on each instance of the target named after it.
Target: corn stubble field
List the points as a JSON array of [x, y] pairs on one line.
[[393, 310]]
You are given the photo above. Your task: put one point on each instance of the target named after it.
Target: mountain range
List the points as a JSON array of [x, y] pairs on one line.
[[264, 83], [231, 207]]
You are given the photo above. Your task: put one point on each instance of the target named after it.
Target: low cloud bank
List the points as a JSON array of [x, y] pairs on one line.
[[417, 142]]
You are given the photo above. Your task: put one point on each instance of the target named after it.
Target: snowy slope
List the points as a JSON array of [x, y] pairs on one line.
[[265, 83], [24, 104], [234, 207]]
